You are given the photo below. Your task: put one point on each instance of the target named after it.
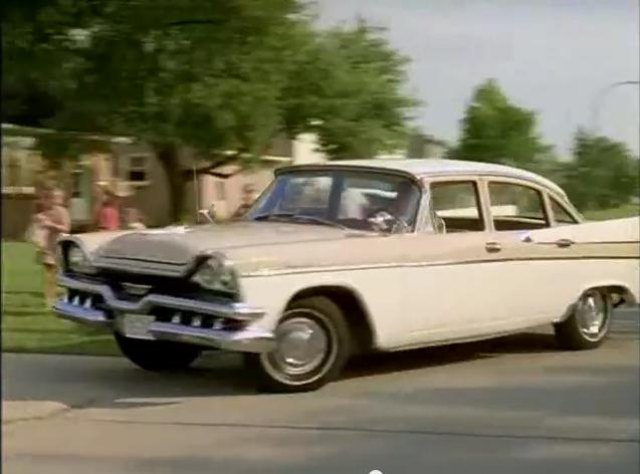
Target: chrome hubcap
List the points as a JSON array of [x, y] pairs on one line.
[[302, 346], [591, 314]]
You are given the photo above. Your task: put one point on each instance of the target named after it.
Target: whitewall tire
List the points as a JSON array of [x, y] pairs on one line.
[[312, 346]]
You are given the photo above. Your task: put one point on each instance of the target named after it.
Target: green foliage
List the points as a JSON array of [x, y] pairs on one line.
[[346, 85], [495, 130], [212, 76], [603, 173]]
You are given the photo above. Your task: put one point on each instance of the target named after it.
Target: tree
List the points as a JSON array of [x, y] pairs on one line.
[[346, 85], [495, 130], [219, 77], [603, 173]]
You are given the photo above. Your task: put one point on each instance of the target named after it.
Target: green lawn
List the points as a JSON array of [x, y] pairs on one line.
[[27, 325]]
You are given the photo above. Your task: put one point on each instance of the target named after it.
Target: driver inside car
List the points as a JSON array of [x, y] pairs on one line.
[[403, 208]]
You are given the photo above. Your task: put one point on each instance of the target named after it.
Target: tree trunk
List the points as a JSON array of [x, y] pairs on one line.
[[167, 154]]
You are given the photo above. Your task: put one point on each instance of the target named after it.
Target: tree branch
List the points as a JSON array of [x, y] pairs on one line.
[[211, 167]]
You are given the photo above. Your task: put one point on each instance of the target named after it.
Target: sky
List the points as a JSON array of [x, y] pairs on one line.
[[550, 56]]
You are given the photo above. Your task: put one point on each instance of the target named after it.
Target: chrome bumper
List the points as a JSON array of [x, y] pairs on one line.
[[245, 340], [241, 340]]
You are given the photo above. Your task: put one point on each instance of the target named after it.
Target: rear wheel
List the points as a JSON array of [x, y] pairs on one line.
[[589, 322], [312, 346], [157, 355]]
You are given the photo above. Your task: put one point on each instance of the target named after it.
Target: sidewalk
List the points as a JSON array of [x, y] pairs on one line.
[[13, 411]]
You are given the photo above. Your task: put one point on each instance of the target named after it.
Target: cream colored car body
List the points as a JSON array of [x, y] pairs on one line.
[[422, 288]]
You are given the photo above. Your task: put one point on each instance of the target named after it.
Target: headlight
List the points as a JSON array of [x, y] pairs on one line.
[[216, 274], [77, 260]]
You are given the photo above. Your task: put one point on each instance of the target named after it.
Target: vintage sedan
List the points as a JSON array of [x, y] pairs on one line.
[[354, 256]]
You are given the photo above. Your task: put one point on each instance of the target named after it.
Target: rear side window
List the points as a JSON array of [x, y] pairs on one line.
[[457, 203], [516, 207], [560, 214]]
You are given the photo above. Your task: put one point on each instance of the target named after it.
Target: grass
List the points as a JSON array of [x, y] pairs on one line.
[[27, 325]]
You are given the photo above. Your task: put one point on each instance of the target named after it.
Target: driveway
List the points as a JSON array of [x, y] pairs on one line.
[[504, 406]]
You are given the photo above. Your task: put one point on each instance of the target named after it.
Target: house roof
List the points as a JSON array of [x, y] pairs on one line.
[[441, 167], [19, 130]]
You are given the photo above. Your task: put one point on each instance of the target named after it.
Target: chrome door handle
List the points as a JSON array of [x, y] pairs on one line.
[[564, 243], [493, 247]]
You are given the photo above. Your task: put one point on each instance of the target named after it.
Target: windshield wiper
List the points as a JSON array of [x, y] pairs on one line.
[[297, 217]]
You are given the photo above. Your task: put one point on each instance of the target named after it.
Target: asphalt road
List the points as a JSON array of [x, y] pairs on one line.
[[510, 405]]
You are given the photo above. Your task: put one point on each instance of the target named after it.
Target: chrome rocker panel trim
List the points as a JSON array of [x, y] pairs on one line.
[[238, 311]]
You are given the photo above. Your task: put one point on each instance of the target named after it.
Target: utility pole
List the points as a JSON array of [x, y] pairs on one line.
[[598, 100]]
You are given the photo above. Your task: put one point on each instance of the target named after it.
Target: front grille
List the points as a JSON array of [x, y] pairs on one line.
[[126, 287], [86, 300]]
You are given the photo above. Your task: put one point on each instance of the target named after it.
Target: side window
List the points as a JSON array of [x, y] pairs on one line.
[[457, 203], [516, 207], [560, 214]]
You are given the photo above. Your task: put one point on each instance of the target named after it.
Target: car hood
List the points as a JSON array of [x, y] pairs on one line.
[[179, 245]]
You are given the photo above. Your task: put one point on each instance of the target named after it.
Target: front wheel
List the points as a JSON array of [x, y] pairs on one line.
[[157, 356], [312, 346], [589, 322]]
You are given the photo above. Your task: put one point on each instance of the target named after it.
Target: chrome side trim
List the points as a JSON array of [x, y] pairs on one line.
[[239, 311], [247, 340], [378, 266]]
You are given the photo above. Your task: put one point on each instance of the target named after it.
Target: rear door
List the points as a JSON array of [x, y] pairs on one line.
[[526, 273]]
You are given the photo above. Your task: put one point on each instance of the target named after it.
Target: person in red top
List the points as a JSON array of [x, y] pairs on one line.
[[108, 216]]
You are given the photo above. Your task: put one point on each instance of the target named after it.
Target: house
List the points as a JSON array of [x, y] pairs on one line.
[[419, 145], [132, 169]]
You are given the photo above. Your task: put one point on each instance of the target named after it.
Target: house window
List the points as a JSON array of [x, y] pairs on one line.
[[19, 168], [136, 169], [76, 183]]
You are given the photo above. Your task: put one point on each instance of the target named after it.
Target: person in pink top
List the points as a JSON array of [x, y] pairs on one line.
[[108, 217]]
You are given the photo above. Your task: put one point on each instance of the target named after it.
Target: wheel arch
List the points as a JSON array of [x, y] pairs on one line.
[[620, 292], [356, 313]]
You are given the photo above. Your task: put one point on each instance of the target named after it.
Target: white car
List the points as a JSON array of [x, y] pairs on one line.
[[433, 252]]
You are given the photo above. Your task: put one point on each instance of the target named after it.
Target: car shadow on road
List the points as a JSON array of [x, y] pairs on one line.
[[386, 363], [104, 382]]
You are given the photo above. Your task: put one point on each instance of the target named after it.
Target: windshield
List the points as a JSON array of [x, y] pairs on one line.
[[336, 197]]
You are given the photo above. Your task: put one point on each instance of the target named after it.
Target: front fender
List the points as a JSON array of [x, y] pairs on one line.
[[379, 299]]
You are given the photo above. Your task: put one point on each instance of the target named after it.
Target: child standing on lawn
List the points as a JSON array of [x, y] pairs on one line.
[[48, 225], [108, 214]]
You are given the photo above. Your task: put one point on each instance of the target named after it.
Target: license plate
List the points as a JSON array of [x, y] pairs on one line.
[[136, 326]]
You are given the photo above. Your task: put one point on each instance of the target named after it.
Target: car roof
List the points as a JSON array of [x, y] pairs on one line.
[[440, 167]]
